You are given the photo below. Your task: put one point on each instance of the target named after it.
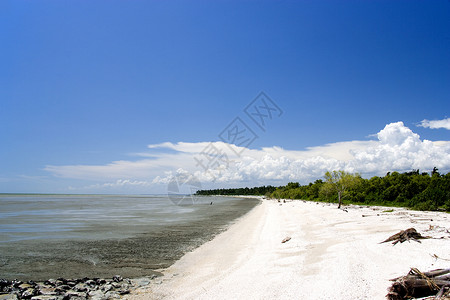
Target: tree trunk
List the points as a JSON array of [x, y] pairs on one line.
[[340, 200]]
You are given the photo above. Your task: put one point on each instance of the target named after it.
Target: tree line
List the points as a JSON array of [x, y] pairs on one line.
[[420, 191], [257, 191]]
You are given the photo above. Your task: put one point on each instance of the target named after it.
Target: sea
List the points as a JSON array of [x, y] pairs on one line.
[[100, 236]]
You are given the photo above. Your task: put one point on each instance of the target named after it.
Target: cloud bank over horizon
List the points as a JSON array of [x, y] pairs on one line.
[[396, 148]]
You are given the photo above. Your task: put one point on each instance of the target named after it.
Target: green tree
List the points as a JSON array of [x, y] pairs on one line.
[[340, 181], [326, 190]]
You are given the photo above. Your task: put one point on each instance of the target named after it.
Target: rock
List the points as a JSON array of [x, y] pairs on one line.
[[69, 289], [64, 288], [124, 291], [112, 295], [51, 282], [7, 290], [8, 297], [97, 295], [41, 285], [25, 286], [116, 284], [72, 295], [138, 282], [71, 283], [46, 297], [91, 283], [100, 281], [16, 283], [49, 291], [81, 287], [59, 282], [28, 293], [4, 282], [126, 285], [106, 288]]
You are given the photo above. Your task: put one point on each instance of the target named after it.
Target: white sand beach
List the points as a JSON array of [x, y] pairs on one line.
[[332, 254]]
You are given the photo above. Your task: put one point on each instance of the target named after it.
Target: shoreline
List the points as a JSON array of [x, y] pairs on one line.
[[326, 246]]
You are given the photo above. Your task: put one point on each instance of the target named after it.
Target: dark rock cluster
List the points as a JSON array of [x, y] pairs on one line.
[[62, 289]]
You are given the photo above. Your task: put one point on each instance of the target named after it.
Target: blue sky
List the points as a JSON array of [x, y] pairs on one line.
[[87, 86]]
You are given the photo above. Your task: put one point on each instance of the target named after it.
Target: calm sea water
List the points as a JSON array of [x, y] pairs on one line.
[[44, 236], [90, 216]]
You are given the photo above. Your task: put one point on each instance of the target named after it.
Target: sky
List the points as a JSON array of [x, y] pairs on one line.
[[151, 97]]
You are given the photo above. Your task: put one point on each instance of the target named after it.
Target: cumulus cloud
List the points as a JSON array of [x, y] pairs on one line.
[[401, 149], [396, 148], [436, 124]]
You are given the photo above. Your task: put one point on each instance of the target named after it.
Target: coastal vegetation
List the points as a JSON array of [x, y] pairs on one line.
[[257, 191], [339, 182], [416, 190]]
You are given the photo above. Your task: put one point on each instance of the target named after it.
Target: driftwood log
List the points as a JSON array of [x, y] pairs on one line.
[[405, 235], [416, 284], [286, 239]]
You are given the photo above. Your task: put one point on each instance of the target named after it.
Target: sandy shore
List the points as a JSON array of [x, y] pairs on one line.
[[332, 254]]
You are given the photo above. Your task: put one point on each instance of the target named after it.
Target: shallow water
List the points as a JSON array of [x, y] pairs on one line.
[[76, 217], [48, 236]]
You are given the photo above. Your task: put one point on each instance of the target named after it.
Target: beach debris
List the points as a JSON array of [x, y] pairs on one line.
[[286, 239], [437, 257], [405, 235], [437, 229], [417, 284]]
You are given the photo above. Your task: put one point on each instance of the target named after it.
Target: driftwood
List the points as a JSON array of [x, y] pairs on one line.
[[416, 284], [286, 239], [405, 235]]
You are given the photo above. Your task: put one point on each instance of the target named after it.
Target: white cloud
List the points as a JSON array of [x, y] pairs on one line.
[[121, 183], [436, 124], [401, 149], [397, 148]]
